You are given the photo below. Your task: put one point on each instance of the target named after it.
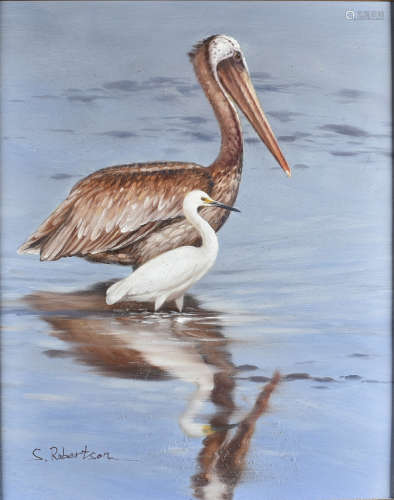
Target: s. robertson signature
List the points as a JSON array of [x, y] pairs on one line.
[[55, 453]]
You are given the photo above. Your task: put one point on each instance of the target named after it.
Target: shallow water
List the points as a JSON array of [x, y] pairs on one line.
[[301, 287]]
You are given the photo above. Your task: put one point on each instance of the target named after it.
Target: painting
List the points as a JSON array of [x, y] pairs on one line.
[[156, 344]]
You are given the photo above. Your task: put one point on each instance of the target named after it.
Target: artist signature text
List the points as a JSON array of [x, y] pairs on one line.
[[60, 453]]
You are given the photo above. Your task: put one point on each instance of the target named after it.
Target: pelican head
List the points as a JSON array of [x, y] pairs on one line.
[[229, 68], [197, 198]]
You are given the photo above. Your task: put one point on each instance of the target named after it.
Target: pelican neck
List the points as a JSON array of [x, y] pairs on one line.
[[231, 149]]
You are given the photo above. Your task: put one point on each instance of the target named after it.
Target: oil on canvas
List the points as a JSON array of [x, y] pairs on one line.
[[262, 369]]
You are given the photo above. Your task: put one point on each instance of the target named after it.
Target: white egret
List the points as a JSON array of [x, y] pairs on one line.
[[168, 276]]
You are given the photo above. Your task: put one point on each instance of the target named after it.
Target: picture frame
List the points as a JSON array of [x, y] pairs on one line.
[[274, 381]]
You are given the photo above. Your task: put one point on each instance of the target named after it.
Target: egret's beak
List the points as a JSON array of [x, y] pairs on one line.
[[236, 81], [222, 205]]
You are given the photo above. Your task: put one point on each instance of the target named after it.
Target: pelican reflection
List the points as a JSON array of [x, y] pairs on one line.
[[135, 344]]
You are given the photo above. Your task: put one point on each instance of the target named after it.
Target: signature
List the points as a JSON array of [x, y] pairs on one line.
[[57, 453]]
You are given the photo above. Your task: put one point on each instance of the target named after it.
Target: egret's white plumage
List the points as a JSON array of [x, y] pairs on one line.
[[168, 276]]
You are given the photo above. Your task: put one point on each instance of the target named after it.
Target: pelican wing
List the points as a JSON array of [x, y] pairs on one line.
[[115, 207]]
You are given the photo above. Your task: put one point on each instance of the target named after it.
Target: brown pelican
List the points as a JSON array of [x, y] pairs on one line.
[[131, 213]]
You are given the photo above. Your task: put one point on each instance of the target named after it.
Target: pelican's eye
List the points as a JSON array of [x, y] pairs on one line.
[[238, 61], [237, 57]]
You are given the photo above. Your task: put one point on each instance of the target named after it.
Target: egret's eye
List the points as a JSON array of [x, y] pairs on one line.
[[205, 200]]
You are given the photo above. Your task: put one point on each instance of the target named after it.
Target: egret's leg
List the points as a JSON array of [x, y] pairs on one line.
[[179, 303], [159, 302]]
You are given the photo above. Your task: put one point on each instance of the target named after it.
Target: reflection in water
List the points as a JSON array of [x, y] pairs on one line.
[[129, 342], [222, 459]]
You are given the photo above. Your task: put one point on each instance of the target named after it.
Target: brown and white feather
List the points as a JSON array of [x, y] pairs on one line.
[[115, 207]]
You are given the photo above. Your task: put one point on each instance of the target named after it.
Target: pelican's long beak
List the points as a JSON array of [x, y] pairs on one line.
[[236, 81]]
